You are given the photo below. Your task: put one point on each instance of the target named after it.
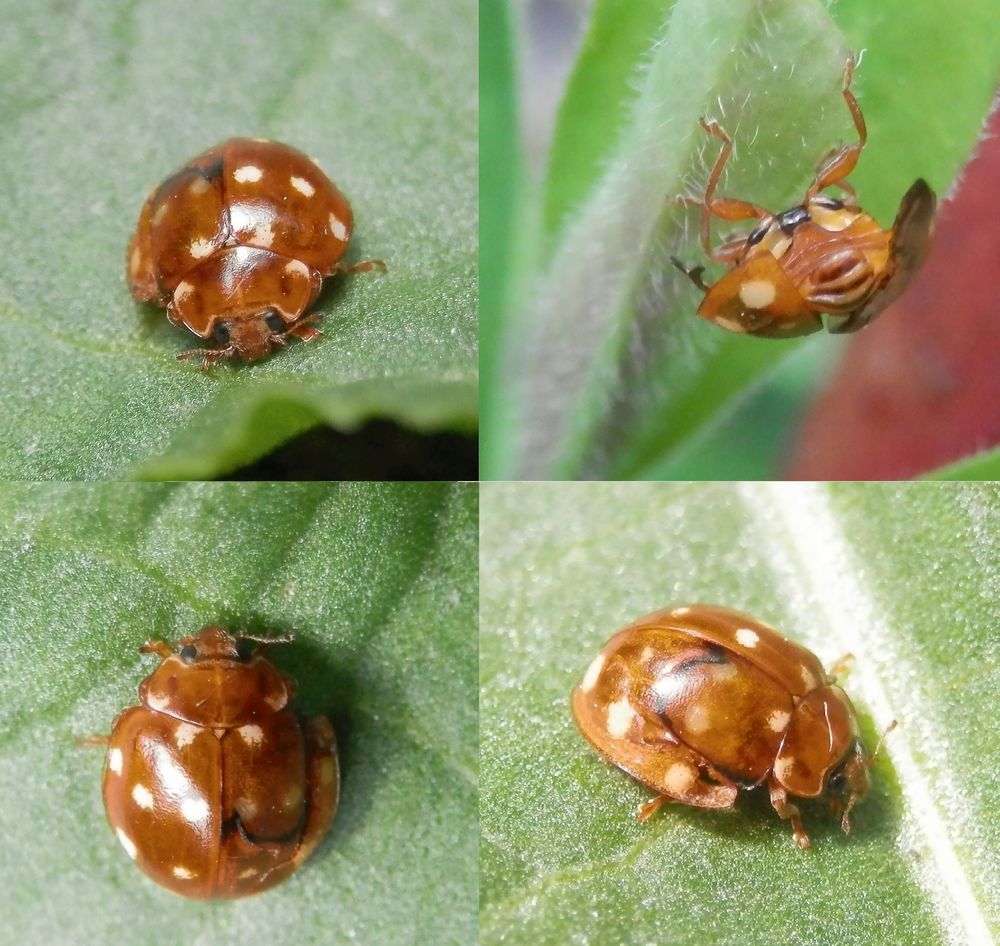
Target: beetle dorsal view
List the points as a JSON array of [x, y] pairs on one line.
[[700, 702], [214, 786], [823, 259]]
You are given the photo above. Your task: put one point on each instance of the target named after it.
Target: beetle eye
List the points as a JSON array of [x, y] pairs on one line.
[[245, 649], [221, 333], [274, 322], [837, 782], [188, 653]]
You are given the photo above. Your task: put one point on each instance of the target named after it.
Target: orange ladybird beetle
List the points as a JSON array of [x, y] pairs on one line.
[[825, 256], [698, 702], [235, 245], [214, 787]]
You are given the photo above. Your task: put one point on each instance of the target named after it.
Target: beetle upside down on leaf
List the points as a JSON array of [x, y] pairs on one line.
[[824, 256]]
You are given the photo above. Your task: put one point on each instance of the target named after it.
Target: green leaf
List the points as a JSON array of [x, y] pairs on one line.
[[101, 103], [905, 577], [982, 466], [500, 198], [378, 583], [611, 373]]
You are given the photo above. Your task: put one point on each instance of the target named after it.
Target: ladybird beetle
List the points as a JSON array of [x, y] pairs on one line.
[[214, 787], [698, 702], [825, 256], [235, 246]]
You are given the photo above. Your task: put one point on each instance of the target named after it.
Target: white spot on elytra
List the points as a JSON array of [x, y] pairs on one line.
[[159, 213], [337, 228], [680, 612], [778, 720], [183, 289], [679, 778], [185, 734], [199, 249], [327, 770], [115, 761], [293, 797], [136, 260], [249, 872], [297, 266], [620, 716], [127, 843], [808, 678], [198, 186], [143, 796], [593, 672], [696, 719], [731, 325], [757, 293], [248, 174], [247, 807], [194, 809], [723, 671], [263, 235], [647, 655], [303, 186], [252, 734], [746, 637], [183, 873], [782, 767]]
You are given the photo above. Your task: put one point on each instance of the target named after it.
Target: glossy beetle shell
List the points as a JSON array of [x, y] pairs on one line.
[[214, 786], [235, 245], [698, 702]]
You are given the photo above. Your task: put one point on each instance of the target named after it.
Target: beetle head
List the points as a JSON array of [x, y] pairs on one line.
[[251, 337], [214, 679]]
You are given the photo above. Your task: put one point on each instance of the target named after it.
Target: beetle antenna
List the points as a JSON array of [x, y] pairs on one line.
[[283, 639], [156, 647], [874, 756]]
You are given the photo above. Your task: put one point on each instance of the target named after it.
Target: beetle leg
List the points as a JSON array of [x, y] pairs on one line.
[[305, 329], [93, 742], [841, 161], [694, 273], [788, 811], [646, 810], [725, 208], [842, 666], [364, 266]]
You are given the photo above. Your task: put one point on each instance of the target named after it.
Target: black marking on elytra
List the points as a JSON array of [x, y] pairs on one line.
[[711, 654], [211, 171], [831, 203]]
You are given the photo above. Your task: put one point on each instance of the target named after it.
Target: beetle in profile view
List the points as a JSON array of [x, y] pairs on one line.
[[825, 256], [699, 702]]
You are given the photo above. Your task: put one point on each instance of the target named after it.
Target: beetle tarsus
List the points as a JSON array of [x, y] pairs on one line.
[[693, 273]]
